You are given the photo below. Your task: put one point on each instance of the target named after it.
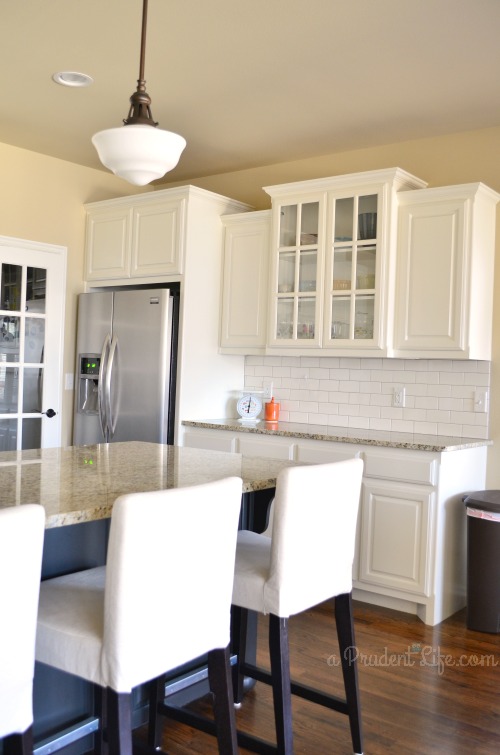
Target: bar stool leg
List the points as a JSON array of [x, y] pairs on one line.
[[19, 744], [239, 624], [280, 673], [119, 722], [155, 724], [219, 676], [345, 634]]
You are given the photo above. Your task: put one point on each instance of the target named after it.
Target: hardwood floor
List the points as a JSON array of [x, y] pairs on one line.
[[424, 690]]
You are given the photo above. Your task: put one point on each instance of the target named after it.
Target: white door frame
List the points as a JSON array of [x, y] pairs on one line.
[[26, 252]]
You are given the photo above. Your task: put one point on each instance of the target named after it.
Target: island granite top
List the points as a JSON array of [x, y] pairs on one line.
[[80, 483], [388, 439]]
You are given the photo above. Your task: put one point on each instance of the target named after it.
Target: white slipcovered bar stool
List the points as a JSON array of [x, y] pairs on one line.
[[21, 544], [170, 561], [304, 558]]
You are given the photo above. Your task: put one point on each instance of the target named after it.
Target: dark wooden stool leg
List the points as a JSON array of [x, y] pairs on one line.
[[219, 676], [155, 727], [239, 623], [19, 744], [280, 673], [119, 722], [345, 634], [100, 711]]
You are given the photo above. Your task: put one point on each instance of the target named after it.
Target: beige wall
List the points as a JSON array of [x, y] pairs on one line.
[[450, 159], [42, 199]]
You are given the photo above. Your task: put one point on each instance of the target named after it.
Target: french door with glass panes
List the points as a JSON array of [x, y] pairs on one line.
[[32, 294]]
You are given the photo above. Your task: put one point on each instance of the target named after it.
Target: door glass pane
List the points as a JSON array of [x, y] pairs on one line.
[[9, 379], [10, 288], [367, 217], [286, 272], [305, 318], [32, 433], [344, 214], [309, 223], [288, 225], [307, 270], [365, 269], [36, 284], [341, 316], [363, 318], [34, 340], [9, 339], [32, 389], [8, 434], [284, 324], [342, 268]]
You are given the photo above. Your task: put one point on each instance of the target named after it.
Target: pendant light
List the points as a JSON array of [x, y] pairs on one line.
[[138, 151]]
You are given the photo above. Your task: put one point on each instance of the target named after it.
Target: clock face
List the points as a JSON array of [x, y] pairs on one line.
[[249, 406]]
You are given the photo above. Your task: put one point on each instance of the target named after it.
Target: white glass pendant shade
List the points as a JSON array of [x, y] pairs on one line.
[[138, 153]]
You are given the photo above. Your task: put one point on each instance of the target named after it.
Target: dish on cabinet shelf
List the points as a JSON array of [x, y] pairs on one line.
[[341, 285], [308, 238], [285, 288], [366, 281]]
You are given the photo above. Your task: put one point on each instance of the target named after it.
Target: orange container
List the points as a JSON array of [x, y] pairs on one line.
[[272, 411]]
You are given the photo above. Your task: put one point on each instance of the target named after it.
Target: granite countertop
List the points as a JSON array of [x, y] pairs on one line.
[[415, 442], [80, 483]]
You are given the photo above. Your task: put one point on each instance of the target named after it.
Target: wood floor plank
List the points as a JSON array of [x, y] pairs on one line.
[[424, 690]]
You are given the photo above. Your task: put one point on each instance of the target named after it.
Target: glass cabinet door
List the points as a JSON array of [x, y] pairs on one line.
[[297, 295], [352, 269]]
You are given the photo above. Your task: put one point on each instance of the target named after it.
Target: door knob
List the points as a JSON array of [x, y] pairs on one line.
[[50, 413]]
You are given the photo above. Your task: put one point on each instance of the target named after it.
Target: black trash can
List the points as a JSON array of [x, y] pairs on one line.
[[483, 560]]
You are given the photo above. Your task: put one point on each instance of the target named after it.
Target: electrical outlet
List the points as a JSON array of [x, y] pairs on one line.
[[398, 397], [481, 400], [267, 388]]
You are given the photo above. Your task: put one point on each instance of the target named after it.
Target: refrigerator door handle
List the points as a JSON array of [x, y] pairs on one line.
[[103, 416], [109, 374]]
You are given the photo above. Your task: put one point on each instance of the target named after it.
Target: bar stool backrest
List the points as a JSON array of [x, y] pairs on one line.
[[313, 535], [21, 544], [169, 578]]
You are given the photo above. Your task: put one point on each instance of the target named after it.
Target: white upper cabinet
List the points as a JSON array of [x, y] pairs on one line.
[[332, 263], [445, 263], [135, 237], [245, 282]]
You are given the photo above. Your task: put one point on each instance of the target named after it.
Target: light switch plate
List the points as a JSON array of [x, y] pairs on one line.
[[481, 399]]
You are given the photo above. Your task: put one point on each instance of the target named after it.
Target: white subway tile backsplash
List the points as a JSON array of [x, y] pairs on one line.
[[356, 392]]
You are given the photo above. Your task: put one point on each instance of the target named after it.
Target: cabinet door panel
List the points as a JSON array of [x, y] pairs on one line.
[[157, 239], [395, 530], [431, 258], [107, 252], [245, 287], [210, 441]]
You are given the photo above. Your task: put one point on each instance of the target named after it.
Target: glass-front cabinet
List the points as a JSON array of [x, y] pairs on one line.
[[352, 268], [297, 296], [332, 250]]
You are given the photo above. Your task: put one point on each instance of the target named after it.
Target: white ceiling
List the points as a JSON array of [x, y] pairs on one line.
[[250, 83]]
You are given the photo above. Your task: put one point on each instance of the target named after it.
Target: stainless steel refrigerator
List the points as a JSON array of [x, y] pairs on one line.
[[125, 366]]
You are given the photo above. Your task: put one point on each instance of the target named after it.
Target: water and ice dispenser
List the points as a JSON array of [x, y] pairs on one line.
[[88, 383]]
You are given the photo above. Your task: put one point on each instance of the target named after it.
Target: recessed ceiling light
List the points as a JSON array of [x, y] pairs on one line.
[[72, 79]]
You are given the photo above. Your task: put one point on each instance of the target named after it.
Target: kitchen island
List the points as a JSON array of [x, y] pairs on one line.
[[77, 487]]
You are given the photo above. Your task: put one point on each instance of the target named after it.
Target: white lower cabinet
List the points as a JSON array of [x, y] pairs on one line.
[[411, 537], [396, 524]]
